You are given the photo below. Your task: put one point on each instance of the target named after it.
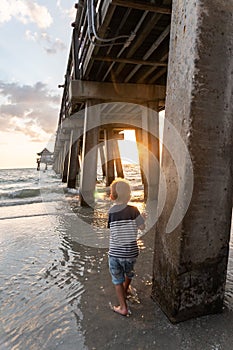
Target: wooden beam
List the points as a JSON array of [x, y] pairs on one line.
[[115, 136], [151, 70], [157, 42], [88, 90], [143, 6], [158, 75], [130, 61], [140, 38], [155, 45]]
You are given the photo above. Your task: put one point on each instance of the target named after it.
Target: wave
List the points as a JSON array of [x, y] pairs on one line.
[[21, 202], [34, 200], [36, 195], [30, 192], [24, 193], [26, 216]]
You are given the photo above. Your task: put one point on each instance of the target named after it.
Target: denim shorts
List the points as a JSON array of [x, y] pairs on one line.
[[119, 267]]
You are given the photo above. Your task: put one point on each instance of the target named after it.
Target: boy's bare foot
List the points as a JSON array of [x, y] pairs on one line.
[[122, 312], [130, 291]]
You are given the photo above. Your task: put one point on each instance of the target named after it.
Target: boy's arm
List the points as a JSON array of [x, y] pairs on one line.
[[109, 220], [141, 221], [142, 226]]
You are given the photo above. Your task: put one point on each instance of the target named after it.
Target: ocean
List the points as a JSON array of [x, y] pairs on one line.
[[43, 260], [47, 253]]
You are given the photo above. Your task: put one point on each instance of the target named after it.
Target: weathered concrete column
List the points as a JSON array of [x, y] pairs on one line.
[[150, 122], [102, 159], [57, 156], [148, 148], [60, 161], [66, 162], [89, 157], [73, 166], [110, 169], [138, 135], [55, 164], [190, 261], [117, 159], [55, 167]]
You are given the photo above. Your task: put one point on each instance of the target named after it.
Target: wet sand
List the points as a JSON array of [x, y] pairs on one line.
[[55, 293], [147, 327]]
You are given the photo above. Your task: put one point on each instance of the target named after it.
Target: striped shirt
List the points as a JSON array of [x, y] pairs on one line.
[[123, 221]]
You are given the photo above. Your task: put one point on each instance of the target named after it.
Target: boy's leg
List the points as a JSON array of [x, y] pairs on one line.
[[129, 273], [126, 284], [120, 292], [117, 274]]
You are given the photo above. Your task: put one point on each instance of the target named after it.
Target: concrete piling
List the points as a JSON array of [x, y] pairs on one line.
[[110, 168], [190, 257], [102, 159], [190, 262], [65, 162], [117, 159], [89, 155]]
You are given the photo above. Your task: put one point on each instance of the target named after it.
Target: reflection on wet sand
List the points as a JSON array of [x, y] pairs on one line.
[[147, 327], [40, 287], [55, 291]]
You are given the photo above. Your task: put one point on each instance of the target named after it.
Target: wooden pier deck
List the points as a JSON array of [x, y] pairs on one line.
[[118, 54]]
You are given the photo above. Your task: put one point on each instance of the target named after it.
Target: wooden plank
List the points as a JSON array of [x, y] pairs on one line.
[[159, 74], [143, 6], [140, 38], [157, 42], [130, 61], [151, 70], [155, 45]]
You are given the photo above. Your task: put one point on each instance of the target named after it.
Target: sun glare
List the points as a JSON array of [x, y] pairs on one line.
[[128, 148], [129, 135]]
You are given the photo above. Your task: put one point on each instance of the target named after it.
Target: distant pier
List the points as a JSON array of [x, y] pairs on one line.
[[45, 157]]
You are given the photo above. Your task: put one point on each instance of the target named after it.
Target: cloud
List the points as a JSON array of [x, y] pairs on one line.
[[50, 45], [68, 12], [26, 11], [29, 109]]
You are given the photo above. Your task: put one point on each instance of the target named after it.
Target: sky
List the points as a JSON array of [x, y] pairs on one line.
[[35, 37]]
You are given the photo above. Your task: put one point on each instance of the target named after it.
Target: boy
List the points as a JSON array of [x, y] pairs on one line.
[[123, 221]]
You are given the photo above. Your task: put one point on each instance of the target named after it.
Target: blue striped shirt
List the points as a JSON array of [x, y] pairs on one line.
[[123, 221]]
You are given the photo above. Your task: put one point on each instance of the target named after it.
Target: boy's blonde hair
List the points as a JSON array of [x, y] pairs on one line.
[[120, 190]]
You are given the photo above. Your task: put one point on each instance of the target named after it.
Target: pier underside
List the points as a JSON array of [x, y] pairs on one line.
[[128, 61]]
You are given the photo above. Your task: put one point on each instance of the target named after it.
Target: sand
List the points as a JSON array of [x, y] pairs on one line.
[[147, 327]]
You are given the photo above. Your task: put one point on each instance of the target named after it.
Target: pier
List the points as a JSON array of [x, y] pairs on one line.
[[46, 157], [128, 61]]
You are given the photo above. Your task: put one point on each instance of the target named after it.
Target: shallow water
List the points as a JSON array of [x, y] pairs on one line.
[[41, 285], [45, 266]]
